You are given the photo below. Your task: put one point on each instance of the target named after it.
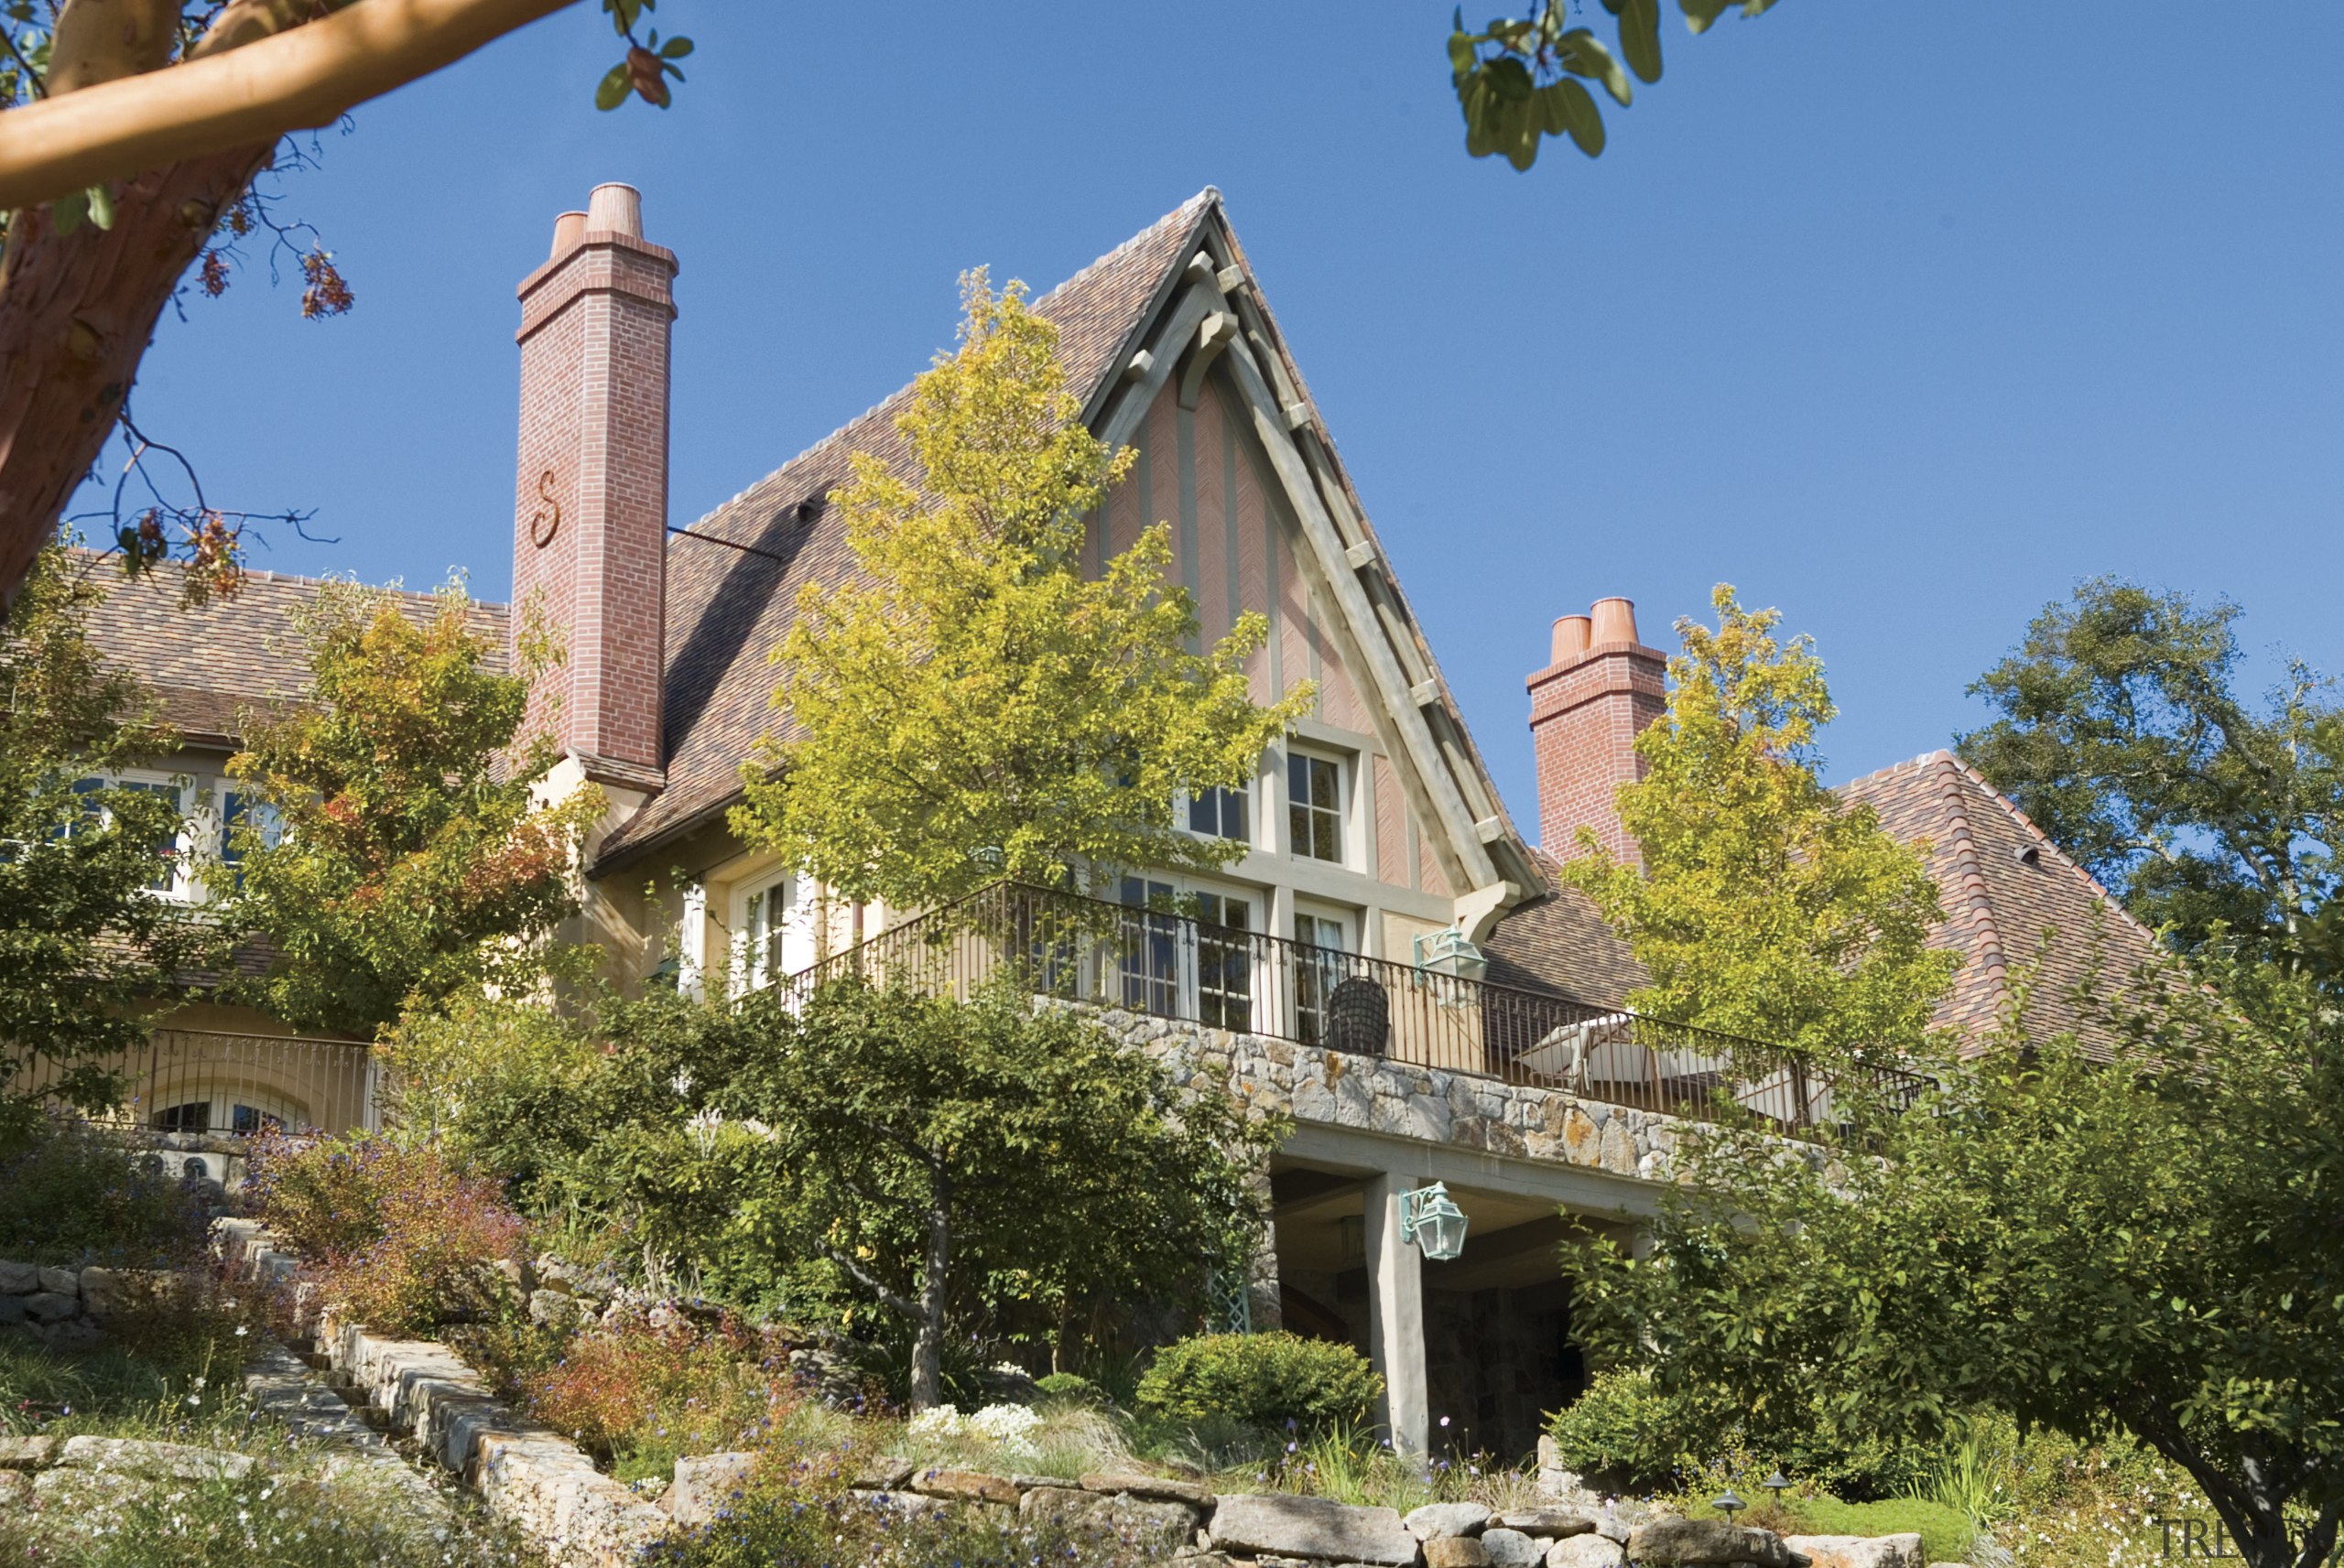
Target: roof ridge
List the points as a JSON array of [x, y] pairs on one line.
[[1894, 768], [1186, 213], [1993, 962]]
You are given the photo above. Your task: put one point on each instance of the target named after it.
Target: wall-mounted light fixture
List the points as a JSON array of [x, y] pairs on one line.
[[1430, 1220]]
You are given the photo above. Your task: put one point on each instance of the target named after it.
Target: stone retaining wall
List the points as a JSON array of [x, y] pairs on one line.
[[66, 1306]]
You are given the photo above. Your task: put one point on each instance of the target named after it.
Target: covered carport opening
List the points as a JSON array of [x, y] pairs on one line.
[[1493, 1328]]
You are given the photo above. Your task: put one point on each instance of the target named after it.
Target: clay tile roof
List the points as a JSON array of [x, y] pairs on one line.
[[727, 608], [1560, 943], [2015, 904], [2011, 901], [208, 665]]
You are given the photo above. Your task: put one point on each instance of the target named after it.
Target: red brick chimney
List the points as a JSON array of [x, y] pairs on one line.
[[590, 512], [1586, 707]]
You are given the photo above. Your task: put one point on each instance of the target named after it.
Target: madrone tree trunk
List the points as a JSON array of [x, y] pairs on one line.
[[77, 310]]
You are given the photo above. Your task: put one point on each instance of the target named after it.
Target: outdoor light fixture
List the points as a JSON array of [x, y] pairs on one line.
[[1777, 1484], [1435, 1224], [1725, 1502], [1448, 952]]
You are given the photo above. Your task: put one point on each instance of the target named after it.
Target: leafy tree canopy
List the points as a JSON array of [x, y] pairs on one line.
[[2154, 1243], [402, 851], [1765, 906], [87, 946], [998, 1165], [2124, 735], [975, 706]]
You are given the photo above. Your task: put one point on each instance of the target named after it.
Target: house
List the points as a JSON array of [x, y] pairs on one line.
[[1389, 961]]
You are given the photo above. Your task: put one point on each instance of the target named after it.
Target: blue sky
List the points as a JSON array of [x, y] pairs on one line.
[[1903, 317]]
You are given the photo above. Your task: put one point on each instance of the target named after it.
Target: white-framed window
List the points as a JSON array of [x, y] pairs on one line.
[[1223, 814], [1321, 962], [772, 933], [237, 816], [1204, 969], [1315, 798], [173, 877]]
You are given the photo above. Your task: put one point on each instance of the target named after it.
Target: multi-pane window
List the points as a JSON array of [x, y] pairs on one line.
[[244, 816], [1224, 961], [1220, 813], [1149, 963], [1320, 964], [1314, 807], [168, 877], [763, 910]]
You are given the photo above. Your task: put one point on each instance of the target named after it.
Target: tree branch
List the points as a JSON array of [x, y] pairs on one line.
[[888, 1298], [293, 80]]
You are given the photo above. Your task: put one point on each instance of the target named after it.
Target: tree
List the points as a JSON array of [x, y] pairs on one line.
[[997, 1154], [87, 948], [135, 130], [2124, 736], [975, 707], [1514, 81], [402, 851], [2152, 1244], [1765, 906]]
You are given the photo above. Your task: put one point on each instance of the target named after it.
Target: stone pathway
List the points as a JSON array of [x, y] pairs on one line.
[[285, 1390]]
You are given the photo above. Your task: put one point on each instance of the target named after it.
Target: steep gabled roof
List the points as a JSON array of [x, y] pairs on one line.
[[728, 608], [2015, 906], [2017, 909], [209, 663]]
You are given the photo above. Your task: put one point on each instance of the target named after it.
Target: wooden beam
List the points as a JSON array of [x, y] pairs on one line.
[[1319, 529]]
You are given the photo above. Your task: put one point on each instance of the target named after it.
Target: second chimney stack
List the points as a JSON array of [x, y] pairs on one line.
[[1600, 689]]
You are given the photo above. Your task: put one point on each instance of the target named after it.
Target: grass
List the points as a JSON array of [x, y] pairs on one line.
[[1946, 1535], [182, 1382]]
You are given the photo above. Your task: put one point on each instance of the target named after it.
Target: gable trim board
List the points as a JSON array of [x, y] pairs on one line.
[[1203, 320]]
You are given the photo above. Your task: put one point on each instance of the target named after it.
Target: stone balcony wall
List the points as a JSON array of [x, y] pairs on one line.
[[1376, 1095]]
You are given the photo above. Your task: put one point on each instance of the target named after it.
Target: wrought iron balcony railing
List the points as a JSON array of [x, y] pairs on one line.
[[1164, 963], [205, 1082]]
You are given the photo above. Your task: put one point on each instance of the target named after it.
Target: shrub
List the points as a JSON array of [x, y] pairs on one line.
[[1267, 1380], [641, 1395], [71, 1195], [395, 1233], [1630, 1434], [1623, 1430], [1066, 1387]]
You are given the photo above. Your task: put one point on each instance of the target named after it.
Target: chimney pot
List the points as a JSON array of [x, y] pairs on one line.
[[1614, 621], [1571, 638], [615, 208], [568, 230]]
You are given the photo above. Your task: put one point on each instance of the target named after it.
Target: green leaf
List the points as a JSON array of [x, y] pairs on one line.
[[1640, 37], [1701, 15], [1509, 80], [1581, 120], [1460, 55], [66, 212], [613, 90], [101, 201], [1584, 55], [675, 48]]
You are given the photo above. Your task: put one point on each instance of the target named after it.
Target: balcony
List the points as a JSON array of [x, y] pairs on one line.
[[200, 1087], [1164, 965]]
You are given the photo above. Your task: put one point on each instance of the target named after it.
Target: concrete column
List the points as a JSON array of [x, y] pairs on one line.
[[1395, 1316]]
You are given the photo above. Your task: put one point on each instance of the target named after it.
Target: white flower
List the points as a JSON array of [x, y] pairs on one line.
[[1012, 1426], [937, 1421], [241, 1331], [681, 1083], [703, 1128]]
